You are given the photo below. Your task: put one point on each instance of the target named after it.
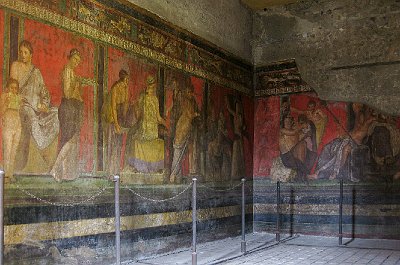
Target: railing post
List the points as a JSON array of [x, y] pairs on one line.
[[341, 213], [194, 220], [117, 220], [2, 175], [278, 208], [243, 245]]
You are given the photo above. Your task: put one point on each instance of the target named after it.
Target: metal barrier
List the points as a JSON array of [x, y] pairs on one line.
[[116, 180], [291, 201], [117, 221], [2, 175], [243, 245], [194, 220], [341, 213], [278, 211]]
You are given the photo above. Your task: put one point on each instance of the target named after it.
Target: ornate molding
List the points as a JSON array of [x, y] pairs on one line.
[[104, 24], [279, 78]]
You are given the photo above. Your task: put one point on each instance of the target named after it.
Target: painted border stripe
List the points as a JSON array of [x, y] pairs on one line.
[[331, 209], [18, 234]]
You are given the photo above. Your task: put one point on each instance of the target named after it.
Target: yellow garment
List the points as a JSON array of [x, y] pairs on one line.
[[149, 151], [121, 97], [106, 113], [149, 125]]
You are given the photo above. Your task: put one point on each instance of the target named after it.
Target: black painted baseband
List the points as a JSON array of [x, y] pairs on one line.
[[328, 219], [136, 243], [353, 226], [130, 205]]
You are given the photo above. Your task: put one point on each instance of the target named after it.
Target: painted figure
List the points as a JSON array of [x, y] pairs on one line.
[[183, 130], [114, 113], [317, 116], [38, 119], [146, 149], [334, 156], [70, 115], [219, 150], [384, 144], [297, 146], [238, 169], [10, 103]]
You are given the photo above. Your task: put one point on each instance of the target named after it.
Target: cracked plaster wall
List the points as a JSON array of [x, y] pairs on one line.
[[225, 23], [346, 50]]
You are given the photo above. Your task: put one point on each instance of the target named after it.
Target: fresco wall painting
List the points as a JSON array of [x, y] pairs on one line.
[[99, 92], [326, 140], [309, 145], [229, 140], [93, 116]]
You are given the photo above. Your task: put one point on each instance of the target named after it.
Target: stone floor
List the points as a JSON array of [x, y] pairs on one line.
[[263, 249]]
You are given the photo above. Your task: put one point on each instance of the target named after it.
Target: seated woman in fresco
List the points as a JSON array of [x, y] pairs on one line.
[[146, 150], [297, 146], [38, 119], [10, 103], [335, 155], [70, 115]]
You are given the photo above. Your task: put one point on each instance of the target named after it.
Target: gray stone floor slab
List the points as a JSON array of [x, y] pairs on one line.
[[300, 250]]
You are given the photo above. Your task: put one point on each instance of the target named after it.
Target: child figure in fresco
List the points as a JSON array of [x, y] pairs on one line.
[[10, 103]]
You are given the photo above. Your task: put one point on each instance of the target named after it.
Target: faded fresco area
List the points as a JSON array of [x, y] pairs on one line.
[[229, 133], [311, 139], [72, 108]]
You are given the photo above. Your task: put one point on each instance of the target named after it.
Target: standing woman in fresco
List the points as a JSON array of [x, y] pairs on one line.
[[114, 115], [237, 167], [38, 119], [11, 124], [70, 115], [188, 112]]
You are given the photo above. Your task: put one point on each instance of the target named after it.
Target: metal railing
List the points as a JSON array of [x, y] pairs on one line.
[[117, 187]]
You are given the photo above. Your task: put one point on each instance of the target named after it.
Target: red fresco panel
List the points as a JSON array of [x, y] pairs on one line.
[[266, 134], [51, 47]]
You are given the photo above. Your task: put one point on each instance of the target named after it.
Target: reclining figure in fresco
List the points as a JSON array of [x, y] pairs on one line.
[[38, 119], [347, 156]]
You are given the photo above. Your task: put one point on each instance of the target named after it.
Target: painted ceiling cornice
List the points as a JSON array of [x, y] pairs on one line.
[[262, 4]]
